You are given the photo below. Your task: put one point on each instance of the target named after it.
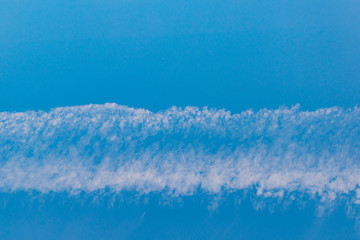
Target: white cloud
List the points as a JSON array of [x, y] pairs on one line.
[[180, 151]]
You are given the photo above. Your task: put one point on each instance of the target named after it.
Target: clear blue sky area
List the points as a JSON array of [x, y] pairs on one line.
[[154, 54]]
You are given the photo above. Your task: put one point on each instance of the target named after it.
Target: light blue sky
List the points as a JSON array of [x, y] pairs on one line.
[[224, 54], [155, 54]]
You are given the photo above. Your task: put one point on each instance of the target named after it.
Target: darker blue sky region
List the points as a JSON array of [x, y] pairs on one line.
[[155, 54], [60, 216]]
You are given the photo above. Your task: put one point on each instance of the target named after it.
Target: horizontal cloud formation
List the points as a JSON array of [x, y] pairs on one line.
[[181, 151]]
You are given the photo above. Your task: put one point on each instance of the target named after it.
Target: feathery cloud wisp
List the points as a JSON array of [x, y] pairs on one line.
[[180, 151]]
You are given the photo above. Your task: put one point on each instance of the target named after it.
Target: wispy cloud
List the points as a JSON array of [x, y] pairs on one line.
[[181, 151]]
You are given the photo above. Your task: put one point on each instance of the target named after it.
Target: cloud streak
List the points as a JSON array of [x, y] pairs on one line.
[[182, 151]]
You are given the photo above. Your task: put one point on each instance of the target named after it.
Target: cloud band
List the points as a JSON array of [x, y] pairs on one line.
[[181, 151]]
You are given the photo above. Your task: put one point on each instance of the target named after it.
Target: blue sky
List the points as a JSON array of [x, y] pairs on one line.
[[117, 171], [225, 54]]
